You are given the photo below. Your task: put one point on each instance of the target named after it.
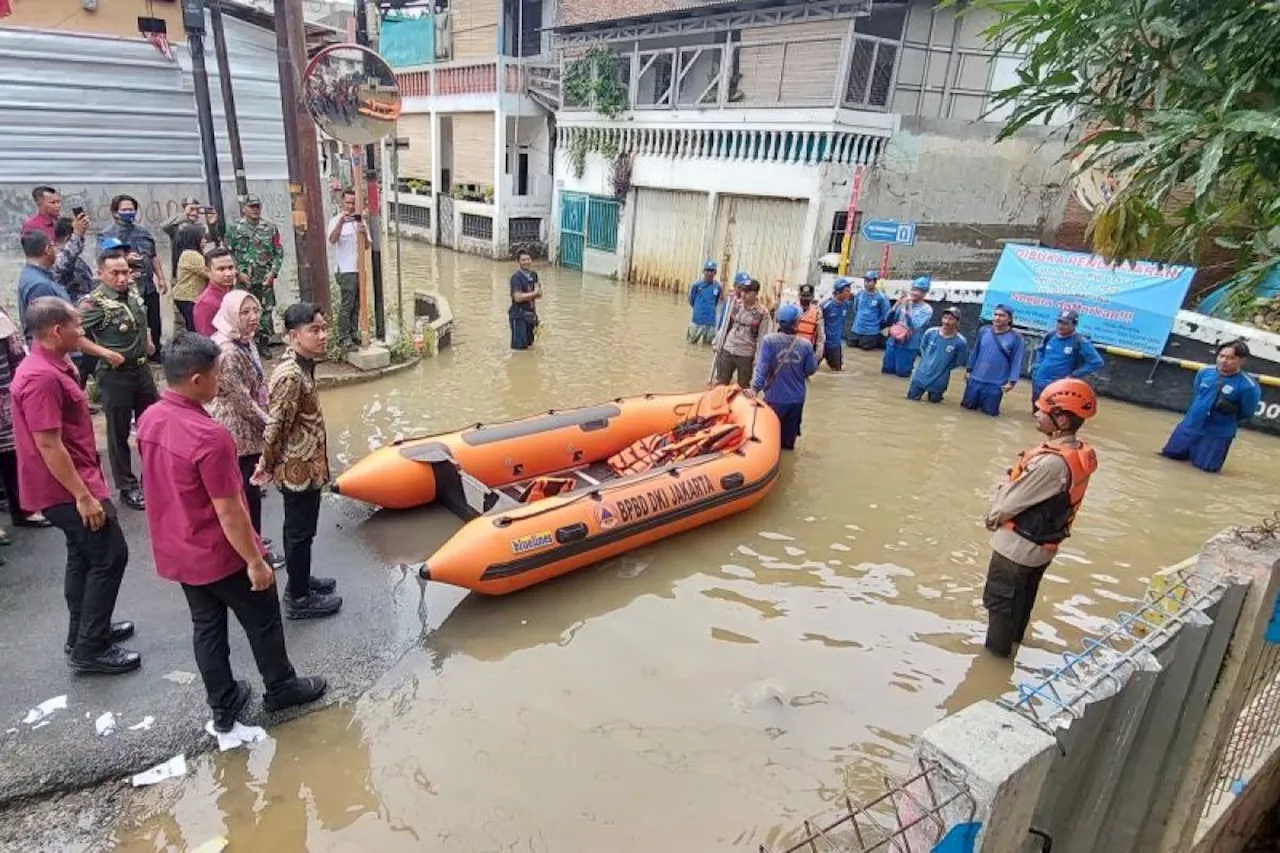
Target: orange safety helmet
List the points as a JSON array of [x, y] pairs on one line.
[[1073, 396]]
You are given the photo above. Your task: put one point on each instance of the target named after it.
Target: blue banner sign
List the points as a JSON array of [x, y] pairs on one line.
[[889, 231], [1129, 305]]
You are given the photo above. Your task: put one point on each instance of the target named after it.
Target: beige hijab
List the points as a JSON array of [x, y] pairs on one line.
[[226, 323]]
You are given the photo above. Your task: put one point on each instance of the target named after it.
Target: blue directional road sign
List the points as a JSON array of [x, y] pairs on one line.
[[889, 231]]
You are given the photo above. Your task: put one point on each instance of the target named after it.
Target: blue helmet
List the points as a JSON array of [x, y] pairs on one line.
[[788, 315], [871, 275], [709, 265], [921, 284], [740, 278], [110, 243], [841, 284]]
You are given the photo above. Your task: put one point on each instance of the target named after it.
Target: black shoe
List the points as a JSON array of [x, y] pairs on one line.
[[312, 606], [266, 543], [276, 562], [321, 586], [118, 633], [114, 661], [132, 498], [300, 692], [225, 720], [38, 521]]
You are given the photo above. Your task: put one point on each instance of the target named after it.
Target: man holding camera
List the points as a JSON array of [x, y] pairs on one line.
[[118, 323], [345, 229]]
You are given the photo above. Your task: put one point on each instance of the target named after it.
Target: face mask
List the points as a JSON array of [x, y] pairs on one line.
[[127, 216]]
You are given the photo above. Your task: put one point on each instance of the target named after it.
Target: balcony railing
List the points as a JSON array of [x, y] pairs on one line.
[[795, 147], [475, 78]]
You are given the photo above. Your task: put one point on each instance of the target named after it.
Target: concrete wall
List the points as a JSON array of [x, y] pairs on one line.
[[966, 193], [113, 18], [1140, 720]]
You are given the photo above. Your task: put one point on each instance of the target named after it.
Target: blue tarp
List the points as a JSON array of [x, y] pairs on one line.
[[408, 41], [1129, 305], [1213, 303]]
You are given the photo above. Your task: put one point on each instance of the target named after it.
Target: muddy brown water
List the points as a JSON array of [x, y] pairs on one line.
[[714, 690]]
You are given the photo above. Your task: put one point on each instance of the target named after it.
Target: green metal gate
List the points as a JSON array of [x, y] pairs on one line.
[[573, 221]]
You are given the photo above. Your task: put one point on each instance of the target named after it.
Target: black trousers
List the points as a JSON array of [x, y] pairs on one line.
[[301, 514], [127, 392], [258, 613], [95, 567], [9, 478], [187, 310], [349, 307], [151, 301], [1009, 597], [252, 493]]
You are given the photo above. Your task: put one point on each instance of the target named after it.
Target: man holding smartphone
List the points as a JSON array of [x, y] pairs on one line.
[[345, 229]]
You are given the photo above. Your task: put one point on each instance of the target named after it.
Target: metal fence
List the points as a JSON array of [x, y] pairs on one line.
[[911, 816]]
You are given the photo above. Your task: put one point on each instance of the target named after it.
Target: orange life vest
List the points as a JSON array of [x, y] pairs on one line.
[[654, 451], [1049, 522], [545, 487], [807, 325]]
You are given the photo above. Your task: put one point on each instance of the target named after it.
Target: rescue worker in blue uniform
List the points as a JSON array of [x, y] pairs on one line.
[[785, 363], [835, 313], [1225, 397], [870, 308], [909, 318], [995, 363], [1064, 354], [704, 298], [942, 350]]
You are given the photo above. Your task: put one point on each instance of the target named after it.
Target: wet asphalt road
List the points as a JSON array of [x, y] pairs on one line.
[[379, 621]]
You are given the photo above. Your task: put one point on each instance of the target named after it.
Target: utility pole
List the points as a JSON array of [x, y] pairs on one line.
[[193, 21], [372, 164], [300, 151], [228, 102]]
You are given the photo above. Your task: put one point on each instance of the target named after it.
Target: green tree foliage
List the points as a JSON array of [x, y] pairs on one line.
[[1180, 97]]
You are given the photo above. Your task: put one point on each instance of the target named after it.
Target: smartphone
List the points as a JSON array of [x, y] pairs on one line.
[[77, 211], [357, 217], [206, 210]]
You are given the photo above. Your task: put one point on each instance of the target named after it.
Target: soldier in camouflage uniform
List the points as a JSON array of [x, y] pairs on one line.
[[259, 252], [114, 319]]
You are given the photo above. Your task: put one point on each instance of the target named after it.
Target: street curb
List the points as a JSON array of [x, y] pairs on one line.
[[368, 376]]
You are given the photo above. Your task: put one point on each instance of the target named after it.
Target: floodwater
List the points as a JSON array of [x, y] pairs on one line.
[[714, 690]]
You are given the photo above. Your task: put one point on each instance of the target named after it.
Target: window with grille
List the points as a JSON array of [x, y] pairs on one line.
[[602, 223], [411, 214], [870, 73], [525, 229], [479, 227], [837, 229]]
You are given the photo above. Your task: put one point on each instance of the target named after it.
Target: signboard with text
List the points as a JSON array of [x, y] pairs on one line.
[[1128, 305]]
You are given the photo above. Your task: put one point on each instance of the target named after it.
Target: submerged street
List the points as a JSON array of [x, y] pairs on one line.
[[709, 692]]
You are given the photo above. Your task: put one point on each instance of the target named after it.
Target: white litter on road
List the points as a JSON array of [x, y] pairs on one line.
[[105, 724], [40, 725], [144, 725], [45, 708], [240, 734], [174, 767], [180, 676]]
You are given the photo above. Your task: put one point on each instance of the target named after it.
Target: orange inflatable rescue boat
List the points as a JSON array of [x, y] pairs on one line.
[[551, 493]]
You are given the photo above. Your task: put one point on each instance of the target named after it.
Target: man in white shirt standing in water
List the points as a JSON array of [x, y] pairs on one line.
[[344, 230]]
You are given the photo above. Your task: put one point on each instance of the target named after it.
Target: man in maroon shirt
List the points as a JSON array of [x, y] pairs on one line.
[[48, 209], [203, 539], [59, 474], [220, 269]]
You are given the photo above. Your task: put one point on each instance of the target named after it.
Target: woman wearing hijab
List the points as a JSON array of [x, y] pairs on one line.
[[12, 350], [241, 404]]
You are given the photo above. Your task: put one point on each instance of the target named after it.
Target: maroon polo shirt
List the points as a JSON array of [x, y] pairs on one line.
[[188, 459], [46, 396], [40, 222], [206, 308]]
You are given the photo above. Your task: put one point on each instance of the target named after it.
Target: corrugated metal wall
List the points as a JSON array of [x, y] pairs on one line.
[[666, 249], [415, 161], [761, 236], [473, 148], [475, 29], [78, 109]]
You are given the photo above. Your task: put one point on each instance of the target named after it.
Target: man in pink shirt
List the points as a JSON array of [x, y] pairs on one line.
[[59, 474], [48, 209], [203, 539], [220, 269]]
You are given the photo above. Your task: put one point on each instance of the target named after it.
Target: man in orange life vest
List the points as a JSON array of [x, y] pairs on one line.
[[809, 326], [1032, 512]]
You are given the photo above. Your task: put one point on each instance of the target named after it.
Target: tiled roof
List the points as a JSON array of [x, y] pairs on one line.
[[577, 12]]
